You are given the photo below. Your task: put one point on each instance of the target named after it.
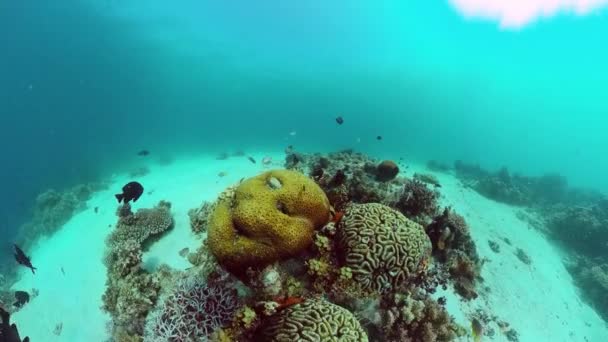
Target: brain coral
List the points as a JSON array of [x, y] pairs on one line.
[[312, 320], [381, 246], [270, 217]]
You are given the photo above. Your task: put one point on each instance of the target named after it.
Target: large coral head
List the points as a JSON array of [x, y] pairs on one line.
[[270, 217]]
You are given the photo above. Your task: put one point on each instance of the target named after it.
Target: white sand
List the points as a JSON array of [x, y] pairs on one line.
[[539, 301]]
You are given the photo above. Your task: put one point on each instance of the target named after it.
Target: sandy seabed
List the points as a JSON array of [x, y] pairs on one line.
[[538, 300]]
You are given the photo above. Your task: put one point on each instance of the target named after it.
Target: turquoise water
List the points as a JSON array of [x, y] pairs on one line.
[[84, 85]]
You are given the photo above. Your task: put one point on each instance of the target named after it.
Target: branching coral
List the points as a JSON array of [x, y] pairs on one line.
[[131, 292], [453, 245], [312, 320], [199, 217], [129, 299], [192, 311], [417, 201], [414, 317], [382, 247]]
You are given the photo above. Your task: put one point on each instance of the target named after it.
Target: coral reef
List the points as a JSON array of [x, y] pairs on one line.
[[415, 317], [382, 247], [52, 209], [131, 291], [582, 229], [418, 202], [270, 217], [437, 166], [348, 176], [453, 245], [591, 275], [199, 217], [142, 225], [312, 320], [193, 310]]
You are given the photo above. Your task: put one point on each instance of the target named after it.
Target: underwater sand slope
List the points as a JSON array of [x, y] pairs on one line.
[[74, 299], [538, 300]]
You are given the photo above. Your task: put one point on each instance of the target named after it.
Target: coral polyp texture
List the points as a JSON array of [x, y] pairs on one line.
[[143, 224], [192, 311], [270, 217], [312, 320], [381, 246]]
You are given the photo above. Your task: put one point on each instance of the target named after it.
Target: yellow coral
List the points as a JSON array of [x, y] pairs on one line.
[[270, 217]]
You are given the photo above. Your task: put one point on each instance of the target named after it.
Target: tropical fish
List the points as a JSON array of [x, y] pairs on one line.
[[379, 137], [9, 332], [222, 174], [131, 191], [22, 298], [251, 159], [266, 160], [143, 153], [476, 329], [22, 259], [340, 120]]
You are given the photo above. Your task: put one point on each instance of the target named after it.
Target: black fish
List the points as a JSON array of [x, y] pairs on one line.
[[22, 298], [131, 191], [23, 259], [339, 120], [251, 159], [143, 153], [379, 137], [8, 331]]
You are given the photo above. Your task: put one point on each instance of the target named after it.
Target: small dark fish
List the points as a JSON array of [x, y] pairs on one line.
[[143, 153], [22, 259], [251, 159], [96, 210], [8, 331], [131, 191], [22, 298], [62, 271], [289, 149], [340, 120], [379, 137]]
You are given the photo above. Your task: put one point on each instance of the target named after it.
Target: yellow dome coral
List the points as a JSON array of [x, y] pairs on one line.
[[270, 217]]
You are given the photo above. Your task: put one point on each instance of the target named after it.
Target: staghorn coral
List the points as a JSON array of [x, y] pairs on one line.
[[192, 311], [142, 225], [262, 224], [312, 320], [415, 317], [417, 201], [382, 247]]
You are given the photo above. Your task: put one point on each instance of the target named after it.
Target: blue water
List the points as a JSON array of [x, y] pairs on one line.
[[84, 85]]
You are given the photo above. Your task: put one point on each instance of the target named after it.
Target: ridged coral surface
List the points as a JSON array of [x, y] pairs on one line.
[[312, 320], [270, 217], [381, 246]]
